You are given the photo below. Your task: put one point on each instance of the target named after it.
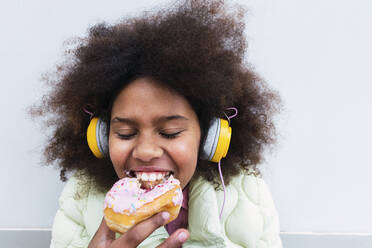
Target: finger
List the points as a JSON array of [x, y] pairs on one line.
[[141, 231], [176, 239], [104, 231], [102, 236]]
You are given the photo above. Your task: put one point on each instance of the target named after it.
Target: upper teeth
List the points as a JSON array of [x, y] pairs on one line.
[[151, 176]]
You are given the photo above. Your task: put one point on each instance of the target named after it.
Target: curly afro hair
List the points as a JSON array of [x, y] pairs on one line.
[[196, 47]]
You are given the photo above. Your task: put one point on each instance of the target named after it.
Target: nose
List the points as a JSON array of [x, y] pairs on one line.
[[146, 149]]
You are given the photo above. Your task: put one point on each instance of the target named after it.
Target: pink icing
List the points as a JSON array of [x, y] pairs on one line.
[[126, 194], [176, 199]]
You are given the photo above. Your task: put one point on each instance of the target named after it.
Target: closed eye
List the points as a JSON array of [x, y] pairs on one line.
[[125, 136], [170, 135], [165, 135]]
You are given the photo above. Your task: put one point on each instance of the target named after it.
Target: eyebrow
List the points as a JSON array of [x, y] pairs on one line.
[[161, 119]]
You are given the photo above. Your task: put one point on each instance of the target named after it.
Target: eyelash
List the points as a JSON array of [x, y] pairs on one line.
[[165, 135]]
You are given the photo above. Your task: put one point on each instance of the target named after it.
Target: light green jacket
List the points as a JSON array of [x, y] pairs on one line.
[[249, 217]]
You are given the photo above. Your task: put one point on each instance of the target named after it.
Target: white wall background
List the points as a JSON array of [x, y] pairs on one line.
[[317, 54]]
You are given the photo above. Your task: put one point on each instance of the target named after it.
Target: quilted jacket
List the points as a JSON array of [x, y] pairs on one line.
[[249, 217]]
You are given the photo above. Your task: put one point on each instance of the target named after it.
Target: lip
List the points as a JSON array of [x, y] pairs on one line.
[[151, 169]]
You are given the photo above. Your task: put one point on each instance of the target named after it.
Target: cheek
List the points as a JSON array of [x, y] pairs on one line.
[[185, 155], [119, 153]]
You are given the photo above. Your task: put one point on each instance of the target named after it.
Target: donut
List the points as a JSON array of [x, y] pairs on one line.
[[132, 200]]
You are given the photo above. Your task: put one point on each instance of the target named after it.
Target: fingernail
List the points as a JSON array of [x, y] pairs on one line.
[[182, 237], [165, 215]]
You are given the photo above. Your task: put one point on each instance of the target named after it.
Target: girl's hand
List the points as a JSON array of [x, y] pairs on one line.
[[105, 238]]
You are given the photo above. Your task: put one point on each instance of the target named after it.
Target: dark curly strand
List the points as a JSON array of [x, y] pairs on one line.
[[196, 47]]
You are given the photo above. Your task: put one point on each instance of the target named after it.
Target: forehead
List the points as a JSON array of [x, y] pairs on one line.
[[146, 97]]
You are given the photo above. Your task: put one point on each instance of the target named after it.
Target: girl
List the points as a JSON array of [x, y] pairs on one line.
[[158, 81]]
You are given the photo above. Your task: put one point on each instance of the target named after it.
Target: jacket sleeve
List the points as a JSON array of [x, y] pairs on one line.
[[68, 227], [250, 219], [270, 233]]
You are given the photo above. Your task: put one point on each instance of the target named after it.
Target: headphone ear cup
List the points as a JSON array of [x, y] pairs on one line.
[[97, 137], [211, 140], [217, 141]]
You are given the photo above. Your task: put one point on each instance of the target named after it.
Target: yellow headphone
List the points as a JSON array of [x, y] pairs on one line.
[[214, 149]]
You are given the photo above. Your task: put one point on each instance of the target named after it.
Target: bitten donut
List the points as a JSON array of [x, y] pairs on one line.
[[130, 202]]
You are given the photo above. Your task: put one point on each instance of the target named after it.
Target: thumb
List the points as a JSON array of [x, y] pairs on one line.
[[176, 239], [103, 235]]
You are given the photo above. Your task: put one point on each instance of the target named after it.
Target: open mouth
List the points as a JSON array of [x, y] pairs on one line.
[[149, 180]]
